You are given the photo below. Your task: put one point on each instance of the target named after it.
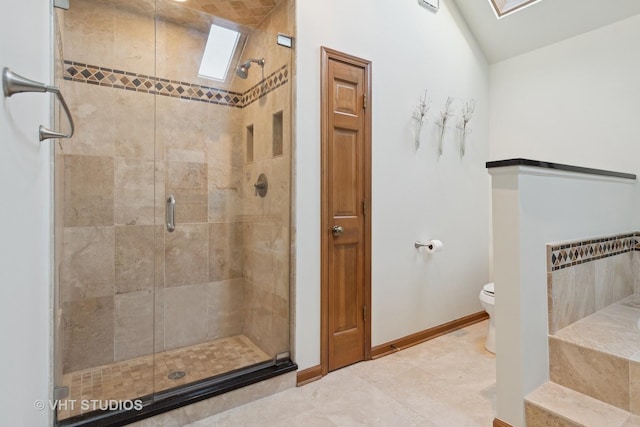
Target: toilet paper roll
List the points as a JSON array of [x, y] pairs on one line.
[[434, 246]]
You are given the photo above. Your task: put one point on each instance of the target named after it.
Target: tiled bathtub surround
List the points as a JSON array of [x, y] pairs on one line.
[[574, 253], [127, 286], [599, 355], [588, 275], [594, 304]]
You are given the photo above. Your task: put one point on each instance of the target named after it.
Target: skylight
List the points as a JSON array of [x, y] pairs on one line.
[[505, 7], [218, 53]]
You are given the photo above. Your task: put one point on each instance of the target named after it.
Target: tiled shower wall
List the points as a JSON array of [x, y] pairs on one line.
[[266, 232], [127, 287], [585, 276]]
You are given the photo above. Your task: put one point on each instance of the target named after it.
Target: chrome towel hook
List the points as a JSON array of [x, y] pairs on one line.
[[13, 83]]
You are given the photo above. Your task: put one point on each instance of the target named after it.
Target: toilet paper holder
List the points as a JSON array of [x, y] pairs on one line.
[[432, 245], [419, 245]]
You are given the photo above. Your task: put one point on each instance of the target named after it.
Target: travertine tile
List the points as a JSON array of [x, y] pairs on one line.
[[88, 333], [634, 383], [133, 334], [160, 254], [410, 393], [187, 182], [88, 33], [599, 375], [280, 188], [141, 376], [259, 253], [635, 271], [431, 389], [632, 421], [622, 276], [258, 322], [632, 301], [217, 404], [93, 114], [134, 194], [537, 417], [181, 128], [185, 322], [573, 295], [134, 132], [187, 255], [160, 193], [279, 324], [88, 191], [135, 257], [613, 279], [225, 302], [188, 135], [225, 251], [554, 405], [245, 12], [134, 42], [158, 318], [174, 52], [225, 204], [604, 282], [225, 147], [610, 330], [87, 263]]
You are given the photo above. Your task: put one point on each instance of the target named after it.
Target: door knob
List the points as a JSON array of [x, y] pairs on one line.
[[336, 230]]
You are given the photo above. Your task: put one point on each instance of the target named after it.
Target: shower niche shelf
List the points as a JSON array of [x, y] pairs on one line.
[[277, 149]]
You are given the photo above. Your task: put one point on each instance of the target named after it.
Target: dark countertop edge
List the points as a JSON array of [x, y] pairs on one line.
[[558, 166]]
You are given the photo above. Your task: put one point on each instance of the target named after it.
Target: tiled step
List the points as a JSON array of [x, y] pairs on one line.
[[599, 355], [552, 405]]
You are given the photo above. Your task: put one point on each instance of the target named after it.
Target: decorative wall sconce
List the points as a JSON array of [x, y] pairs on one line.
[[420, 116], [463, 125], [445, 114]]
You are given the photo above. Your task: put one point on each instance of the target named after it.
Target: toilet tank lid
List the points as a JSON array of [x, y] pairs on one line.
[[488, 288]]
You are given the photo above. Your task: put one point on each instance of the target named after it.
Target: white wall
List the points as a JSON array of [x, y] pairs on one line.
[[574, 102], [416, 195], [531, 208], [25, 217]]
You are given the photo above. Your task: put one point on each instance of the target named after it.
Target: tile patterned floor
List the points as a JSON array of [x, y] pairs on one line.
[[446, 382], [130, 379]]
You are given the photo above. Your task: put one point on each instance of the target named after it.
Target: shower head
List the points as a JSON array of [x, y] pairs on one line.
[[243, 70]]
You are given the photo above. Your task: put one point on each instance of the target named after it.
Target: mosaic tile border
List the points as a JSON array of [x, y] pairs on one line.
[[579, 252], [118, 79]]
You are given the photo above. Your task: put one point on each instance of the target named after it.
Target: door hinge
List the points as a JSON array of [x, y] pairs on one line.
[[61, 4], [364, 207], [364, 101], [364, 313], [60, 392]]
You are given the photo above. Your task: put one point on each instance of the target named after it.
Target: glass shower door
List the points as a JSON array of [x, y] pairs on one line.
[[105, 208], [222, 299], [145, 309]]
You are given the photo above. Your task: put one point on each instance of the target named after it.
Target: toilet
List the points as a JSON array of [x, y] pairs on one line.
[[487, 299]]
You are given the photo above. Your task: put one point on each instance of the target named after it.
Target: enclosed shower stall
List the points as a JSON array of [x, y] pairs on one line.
[[172, 199]]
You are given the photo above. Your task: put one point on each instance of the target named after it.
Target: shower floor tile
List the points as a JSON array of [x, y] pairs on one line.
[[142, 376]]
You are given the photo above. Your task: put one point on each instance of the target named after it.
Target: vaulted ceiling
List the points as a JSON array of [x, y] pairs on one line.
[[540, 24]]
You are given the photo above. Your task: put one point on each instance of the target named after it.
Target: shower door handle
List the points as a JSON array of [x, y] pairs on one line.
[[171, 214]]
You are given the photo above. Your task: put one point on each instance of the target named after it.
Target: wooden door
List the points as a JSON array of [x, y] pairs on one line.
[[346, 224]]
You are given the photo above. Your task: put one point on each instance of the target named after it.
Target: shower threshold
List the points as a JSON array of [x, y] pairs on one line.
[[153, 384]]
